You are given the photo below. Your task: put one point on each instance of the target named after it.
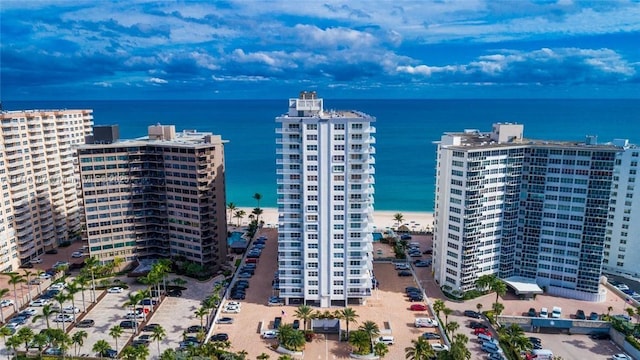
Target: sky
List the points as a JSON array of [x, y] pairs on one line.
[[247, 49]]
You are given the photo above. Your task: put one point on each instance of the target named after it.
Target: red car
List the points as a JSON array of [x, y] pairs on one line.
[[479, 331], [418, 307]]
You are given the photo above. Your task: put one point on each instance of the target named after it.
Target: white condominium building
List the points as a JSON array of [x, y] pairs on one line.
[[40, 208], [162, 195], [524, 210], [325, 203], [622, 242]]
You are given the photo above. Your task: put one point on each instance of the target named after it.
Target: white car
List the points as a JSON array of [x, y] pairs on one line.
[[77, 254], [63, 318], [6, 302], [231, 310], [425, 322], [70, 310], [45, 276], [132, 316], [402, 266], [39, 302], [36, 261], [58, 286], [439, 347], [115, 290], [269, 334], [621, 357]]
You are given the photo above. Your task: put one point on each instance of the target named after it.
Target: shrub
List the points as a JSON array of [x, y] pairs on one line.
[[633, 341], [472, 294]]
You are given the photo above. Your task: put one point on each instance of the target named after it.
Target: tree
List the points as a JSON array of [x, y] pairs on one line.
[[168, 354], [421, 350], [4, 332], [13, 342], [484, 282], [47, 311], [3, 292], [515, 337], [115, 332], [399, 218], [239, 214], [82, 281], [459, 350], [28, 274], [61, 298], [201, 313], [380, 349], [257, 197], [372, 329], [78, 340], [158, 334], [498, 308], [360, 341], [91, 264], [231, 207], [263, 356], [40, 341], [452, 327], [257, 212], [349, 316], [101, 346], [72, 289], [609, 309], [15, 279], [25, 334], [304, 313], [479, 307], [132, 300], [499, 287], [446, 311], [438, 306]]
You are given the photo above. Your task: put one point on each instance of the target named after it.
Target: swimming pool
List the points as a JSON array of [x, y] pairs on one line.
[[377, 236], [235, 236]]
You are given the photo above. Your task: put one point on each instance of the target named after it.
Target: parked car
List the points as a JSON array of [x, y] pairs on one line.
[[544, 313], [535, 340], [473, 314], [431, 336], [580, 315], [404, 273], [7, 302], [63, 318], [115, 290], [275, 301], [418, 307], [532, 312], [51, 251], [276, 322], [174, 293], [70, 310], [439, 347], [28, 312], [269, 334], [402, 266], [425, 322], [385, 339], [39, 302], [478, 331], [225, 320], [53, 351], [77, 254], [428, 251], [621, 357], [422, 263], [231, 310], [36, 261], [128, 324], [148, 302], [195, 329], [85, 323], [594, 316], [600, 336], [416, 297], [109, 353], [219, 337], [150, 327], [476, 325], [556, 313]]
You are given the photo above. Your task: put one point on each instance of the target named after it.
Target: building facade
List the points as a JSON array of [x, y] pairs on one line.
[[325, 178], [521, 209], [622, 241], [40, 208], [155, 197]]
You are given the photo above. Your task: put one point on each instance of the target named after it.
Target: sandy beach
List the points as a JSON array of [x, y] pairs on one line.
[[415, 221]]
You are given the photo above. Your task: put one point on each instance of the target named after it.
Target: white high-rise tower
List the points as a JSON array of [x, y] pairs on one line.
[[325, 203]]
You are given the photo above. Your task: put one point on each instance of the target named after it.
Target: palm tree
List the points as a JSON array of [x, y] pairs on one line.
[[158, 334], [304, 313], [380, 349], [61, 298], [201, 313], [78, 340], [484, 282], [438, 306], [263, 356], [25, 334], [515, 337], [349, 316], [46, 312], [169, 354], [498, 308], [452, 327], [446, 311], [257, 212], [421, 350], [609, 309], [3, 292], [4, 332], [132, 300], [13, 342], [458, 350], [28, 274], [399, 218], [231, 207], [40, 340], [479, 307], [72, 289], [499, 287], [239, 214], [257, 197], [361, 341], [290, 338], [372, 329], [81, 282], [15, 279], [91, 264], [101, 346], [115, 332]]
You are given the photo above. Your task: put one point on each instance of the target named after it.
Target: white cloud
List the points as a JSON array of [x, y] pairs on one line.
[[156, 80]]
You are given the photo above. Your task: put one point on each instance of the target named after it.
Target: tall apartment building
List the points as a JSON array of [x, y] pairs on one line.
[[524, 210], [158, 196], [325, 203], [39, 207], [622, 246]]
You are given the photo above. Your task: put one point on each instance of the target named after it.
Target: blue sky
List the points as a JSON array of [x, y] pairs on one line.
[[344, 49]]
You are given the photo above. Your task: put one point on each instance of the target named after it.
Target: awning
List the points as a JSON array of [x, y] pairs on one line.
[[523, 285]]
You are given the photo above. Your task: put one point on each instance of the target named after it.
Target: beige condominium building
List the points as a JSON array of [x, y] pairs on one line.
[[159, 196], [40, 207]]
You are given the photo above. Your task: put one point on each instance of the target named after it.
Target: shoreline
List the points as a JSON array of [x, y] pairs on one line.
[[382, 219]]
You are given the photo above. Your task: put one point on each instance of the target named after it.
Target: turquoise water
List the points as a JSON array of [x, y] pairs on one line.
[[235, 236], [377, 236], [406, 129]]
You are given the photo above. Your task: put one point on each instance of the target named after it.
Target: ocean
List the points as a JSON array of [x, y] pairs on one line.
[[406, 130]]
